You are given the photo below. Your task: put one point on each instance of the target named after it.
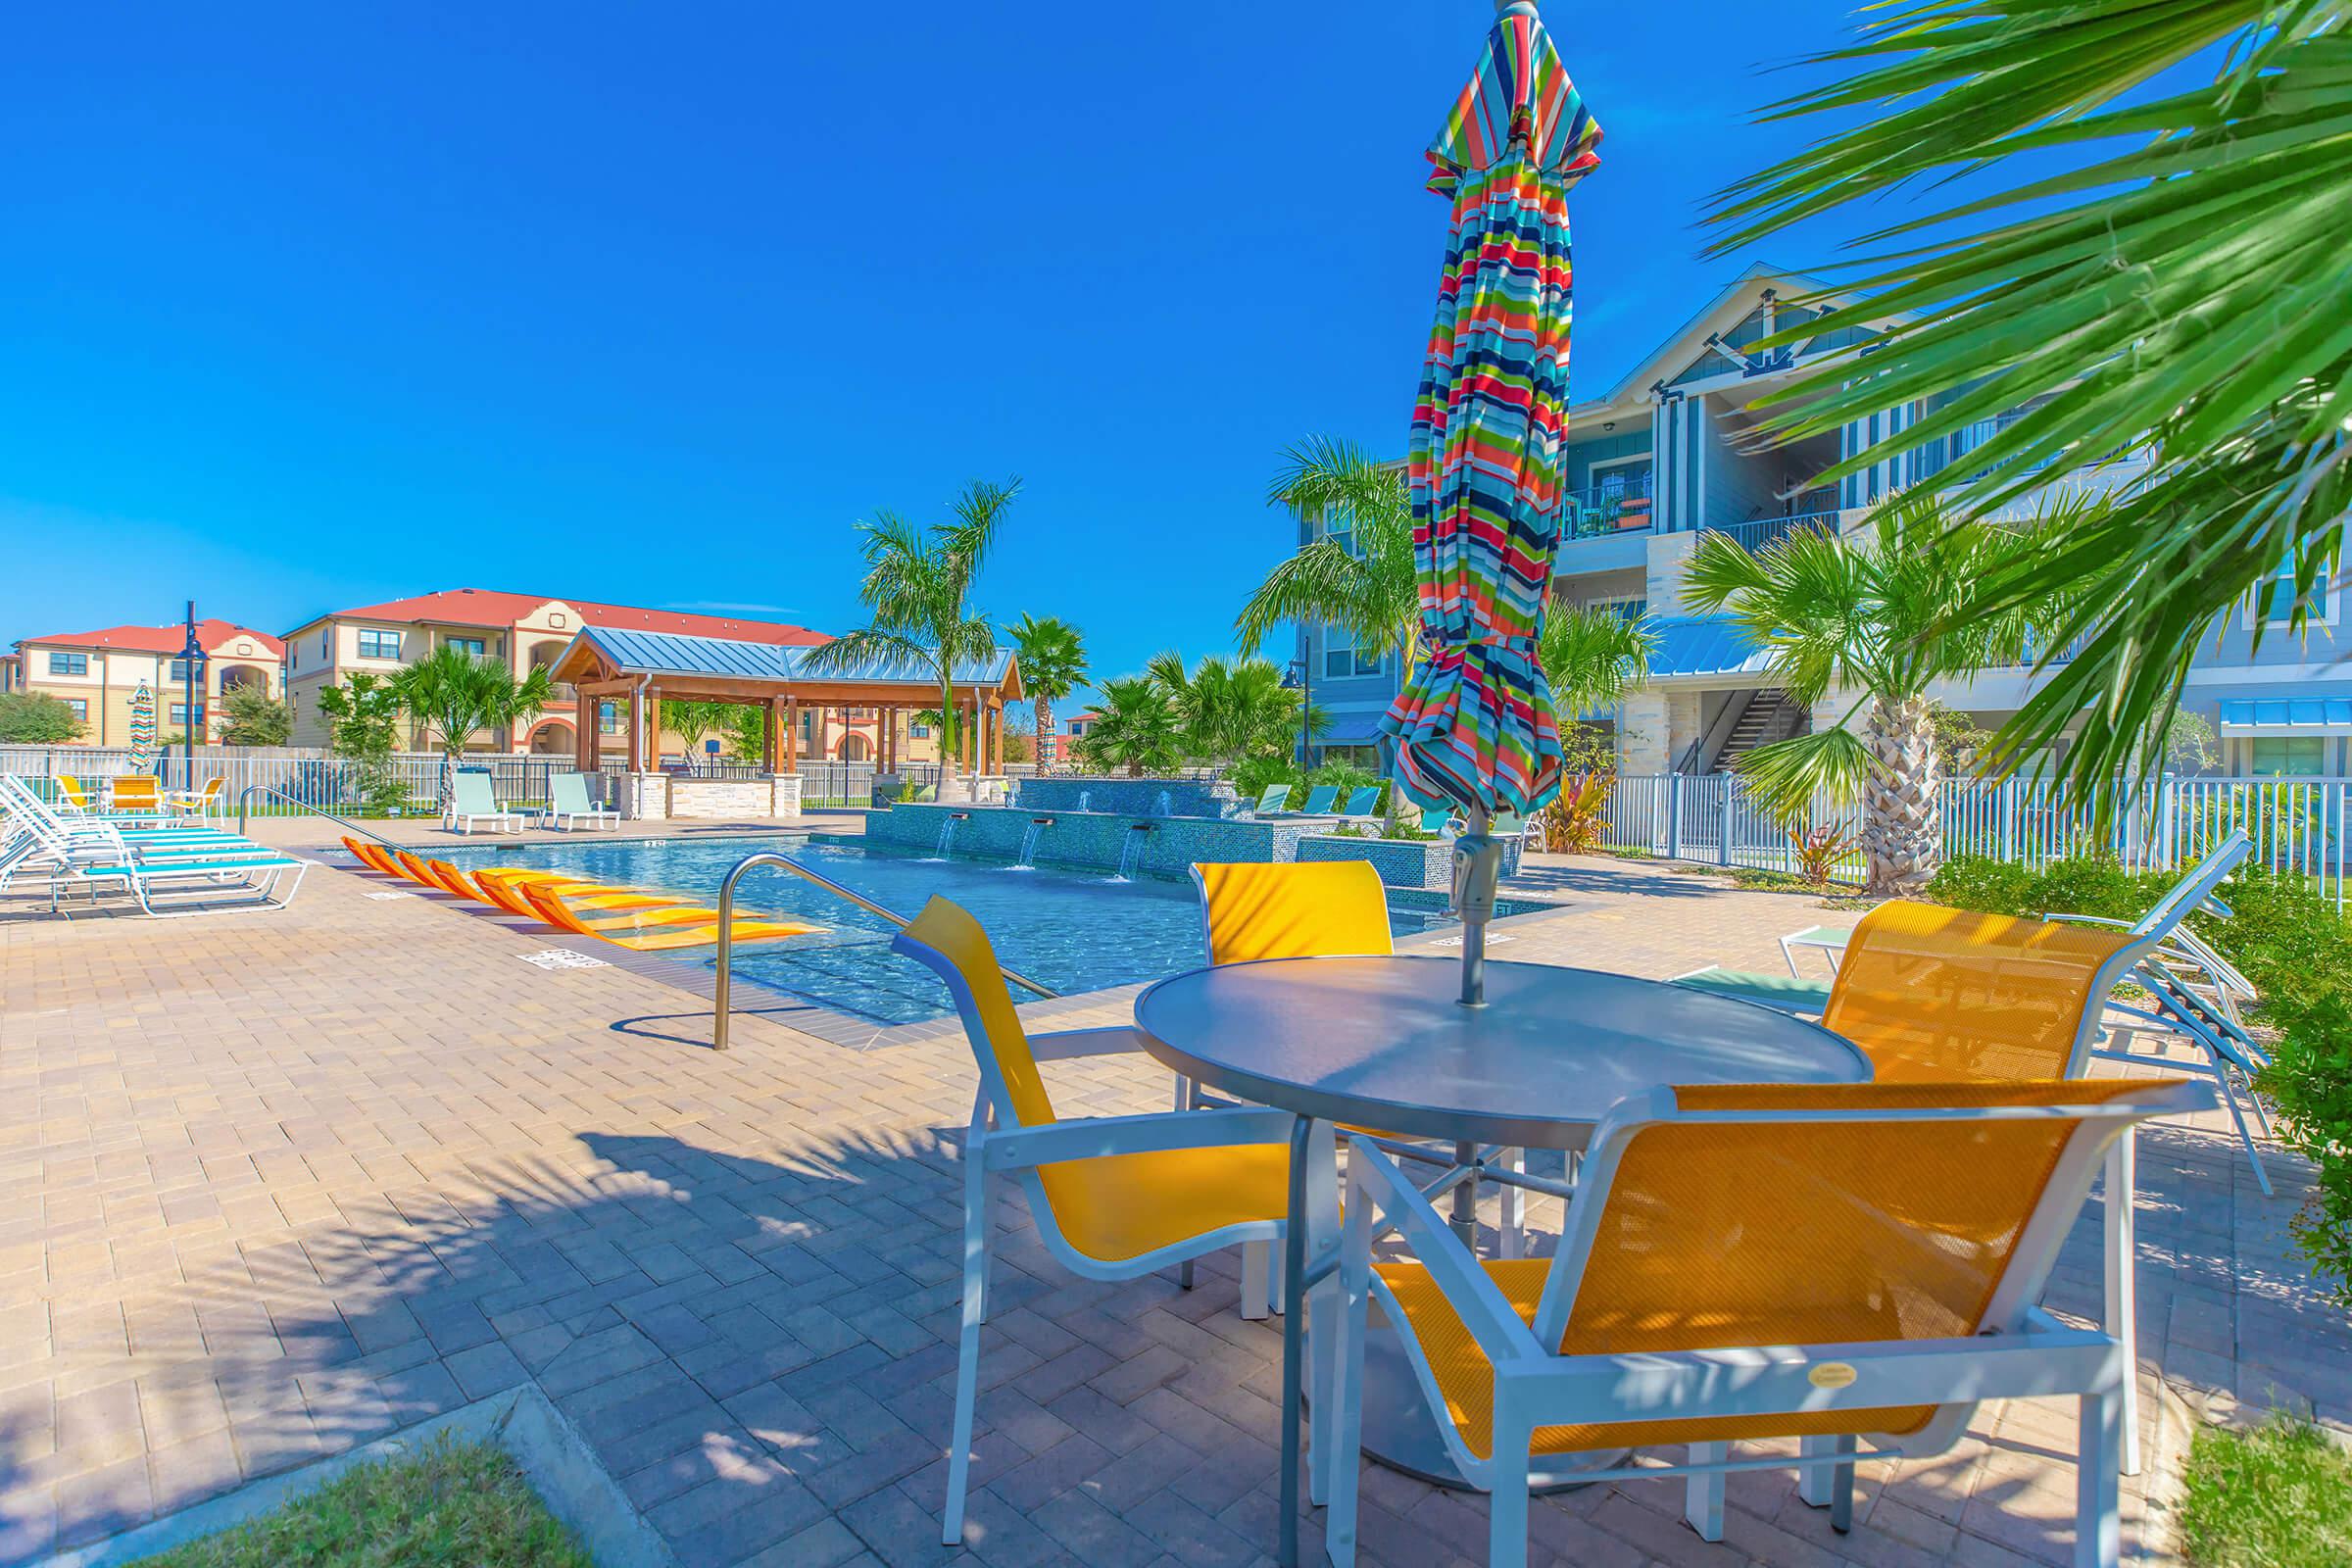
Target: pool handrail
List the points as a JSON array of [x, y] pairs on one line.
[[251, 789], [722, 1000]]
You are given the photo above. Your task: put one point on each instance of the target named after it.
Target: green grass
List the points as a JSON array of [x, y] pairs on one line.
[[2279, 1496], [454, 1505]]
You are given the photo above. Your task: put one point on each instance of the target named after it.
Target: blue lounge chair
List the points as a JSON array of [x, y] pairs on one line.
[[1275, 798], [1318, 800]]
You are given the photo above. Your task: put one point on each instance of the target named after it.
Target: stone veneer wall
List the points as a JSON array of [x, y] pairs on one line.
[[654, 797]]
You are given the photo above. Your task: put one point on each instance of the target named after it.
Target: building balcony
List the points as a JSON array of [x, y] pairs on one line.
[[1755, 533]]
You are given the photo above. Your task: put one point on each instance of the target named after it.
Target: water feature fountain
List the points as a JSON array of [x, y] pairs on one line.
[[1028, 855], [947, 833], [1131, 854], [1086, 800], [1166, 804]]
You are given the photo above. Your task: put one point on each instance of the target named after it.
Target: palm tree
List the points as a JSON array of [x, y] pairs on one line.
[[1136, 728], [452, 692], [1361, 581], [1882, 613], [2157, 270], [916, 584], [1593, 656], [1053, 660], [691, 721], [1228, 711]]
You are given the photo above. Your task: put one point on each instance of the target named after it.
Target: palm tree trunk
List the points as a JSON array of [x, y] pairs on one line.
[[1901, 829], [946, 742], [1045, 729], [449, 779]]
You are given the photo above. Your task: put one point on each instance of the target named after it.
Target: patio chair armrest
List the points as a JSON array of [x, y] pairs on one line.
[[1149, 1133], [1774, 1380], [1492, 1321], [2060, 917]]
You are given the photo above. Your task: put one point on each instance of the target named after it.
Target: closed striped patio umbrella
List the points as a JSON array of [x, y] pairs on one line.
[[142, 729], [1474, 722]]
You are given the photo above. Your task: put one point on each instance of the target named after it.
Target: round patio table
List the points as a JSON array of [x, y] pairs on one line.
[[1385, 1042]]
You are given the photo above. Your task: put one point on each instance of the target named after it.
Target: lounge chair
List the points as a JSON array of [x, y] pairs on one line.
[[1275, 798], [39, 840], [197, 803], [569, 802], [471, 802], [651, 930], [1318, 800], [1362, 808], [1441, 820], [1114, 1197], [1878, 1288], [193, 885]]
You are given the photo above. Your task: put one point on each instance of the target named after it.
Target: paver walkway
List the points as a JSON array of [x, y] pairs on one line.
[[279, 1184]]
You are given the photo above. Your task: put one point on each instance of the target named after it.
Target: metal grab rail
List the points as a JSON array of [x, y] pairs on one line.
[[722, 999], [251, 789]]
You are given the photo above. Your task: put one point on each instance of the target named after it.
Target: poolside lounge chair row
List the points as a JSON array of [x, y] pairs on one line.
[[472, 801], [168, 868], [626, 917]]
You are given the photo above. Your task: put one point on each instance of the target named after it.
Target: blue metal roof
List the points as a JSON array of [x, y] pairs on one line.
[[663, 652], [2317, 715], [1703, 645]]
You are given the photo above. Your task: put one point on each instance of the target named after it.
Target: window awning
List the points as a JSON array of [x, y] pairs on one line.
[[1703, 645], [2288, 716]]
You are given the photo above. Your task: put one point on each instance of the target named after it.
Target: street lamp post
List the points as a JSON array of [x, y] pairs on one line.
[[191, 666], [1300, 679]]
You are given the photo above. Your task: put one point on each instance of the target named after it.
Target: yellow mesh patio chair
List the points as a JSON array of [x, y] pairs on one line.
[[1848, 1265], [134, 792], [69, 793], [1114, 1198]]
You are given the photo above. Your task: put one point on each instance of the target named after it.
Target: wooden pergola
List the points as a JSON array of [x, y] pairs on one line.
[[644, 670]]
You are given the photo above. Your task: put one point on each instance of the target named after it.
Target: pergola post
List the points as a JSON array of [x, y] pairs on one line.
[[636, 729], [771, 721], [583, 735], [792, 734], [652, 733], [996, 726]]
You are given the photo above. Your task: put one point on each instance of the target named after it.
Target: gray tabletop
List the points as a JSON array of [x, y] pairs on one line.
[[1382, 1042]]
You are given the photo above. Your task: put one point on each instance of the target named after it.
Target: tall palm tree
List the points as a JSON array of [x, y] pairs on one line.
[[691, 721], [452, 692], [1052, 659], [916, 585], [2164, 268], [1881, 613], [1365, 586], [1228, 710], [1136, 727]]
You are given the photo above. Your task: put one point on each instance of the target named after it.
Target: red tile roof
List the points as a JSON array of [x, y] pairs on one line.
[[211, 633], [487, 607]]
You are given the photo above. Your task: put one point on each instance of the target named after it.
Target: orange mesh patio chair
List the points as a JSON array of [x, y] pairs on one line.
[[134, 792], [1114, 1197], [1856, 1266], [664, 929], [372, 857]]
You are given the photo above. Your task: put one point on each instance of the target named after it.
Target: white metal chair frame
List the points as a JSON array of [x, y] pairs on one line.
[[2018, 1351], [460, 811], [996, 1143], [39, 841], [562, 817]]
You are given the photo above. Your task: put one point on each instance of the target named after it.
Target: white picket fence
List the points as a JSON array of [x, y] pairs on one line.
[[2298, 824]]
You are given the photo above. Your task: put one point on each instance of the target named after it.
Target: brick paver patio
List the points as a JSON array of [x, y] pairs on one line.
[[280, 1184]]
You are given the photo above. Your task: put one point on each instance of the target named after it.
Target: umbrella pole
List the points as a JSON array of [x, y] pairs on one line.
[[1477, 867]]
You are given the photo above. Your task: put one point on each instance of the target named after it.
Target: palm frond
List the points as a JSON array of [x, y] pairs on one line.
[[1787, 777]]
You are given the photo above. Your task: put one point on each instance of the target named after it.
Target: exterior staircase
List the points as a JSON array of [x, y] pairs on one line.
[[1769, 717]]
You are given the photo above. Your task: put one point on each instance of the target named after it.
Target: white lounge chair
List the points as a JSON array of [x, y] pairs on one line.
[[179, 887], [569, 802], [471, 802]]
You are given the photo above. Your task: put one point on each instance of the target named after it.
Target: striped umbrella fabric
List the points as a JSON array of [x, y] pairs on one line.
[[1475, 719], [142, 729]]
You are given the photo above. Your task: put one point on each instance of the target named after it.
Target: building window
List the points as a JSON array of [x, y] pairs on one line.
[[179, 671], [467, 645], [918, 732], [2275, 600], [69, 663], [327, 643], [379, 645], [180, 714], [2275, 756], [1343, 660], [80, 707], [1627, 609], [608, 718]]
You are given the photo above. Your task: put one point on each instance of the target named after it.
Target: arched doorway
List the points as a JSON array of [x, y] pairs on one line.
[[232, 676], [854, 748], [552, 738]]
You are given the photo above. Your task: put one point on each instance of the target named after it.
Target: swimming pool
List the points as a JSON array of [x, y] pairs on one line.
[[1071, 930]]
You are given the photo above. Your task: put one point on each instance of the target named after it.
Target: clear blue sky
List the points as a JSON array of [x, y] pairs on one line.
[[307, 307]]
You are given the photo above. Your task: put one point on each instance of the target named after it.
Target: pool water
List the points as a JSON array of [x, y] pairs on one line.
[[1072, 930]]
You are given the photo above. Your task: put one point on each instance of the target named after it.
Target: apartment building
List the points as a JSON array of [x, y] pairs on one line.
[[528, 631], [97, 673], [1667, 455]]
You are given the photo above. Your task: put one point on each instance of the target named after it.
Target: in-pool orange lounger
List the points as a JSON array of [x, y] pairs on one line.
[[657, 931]]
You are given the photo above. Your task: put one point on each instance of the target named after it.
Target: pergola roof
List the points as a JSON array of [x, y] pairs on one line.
[[687, 665]]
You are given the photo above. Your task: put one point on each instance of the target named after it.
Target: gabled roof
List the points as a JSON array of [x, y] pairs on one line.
[[655, 652], [212, 634], [493, 608]]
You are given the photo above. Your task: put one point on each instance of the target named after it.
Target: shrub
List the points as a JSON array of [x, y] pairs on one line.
[[1820, 853]]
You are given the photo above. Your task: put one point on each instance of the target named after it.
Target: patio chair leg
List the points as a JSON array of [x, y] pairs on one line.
[[1346, 1435], [1702, 1495], [1254, 1279], [2098, 1525], [1842, 1486], [1507, 1505], [967, 1348], [2123, 1280], [1184, 1275], [2238, 1114], [1816, 1483], [1322, 1300]]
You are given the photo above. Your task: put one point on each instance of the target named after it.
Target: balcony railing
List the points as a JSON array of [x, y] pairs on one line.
[[1600, 510], [1757, 532]]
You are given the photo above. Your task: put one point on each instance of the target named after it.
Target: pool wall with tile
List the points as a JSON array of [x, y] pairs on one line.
[[1155, 798]]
